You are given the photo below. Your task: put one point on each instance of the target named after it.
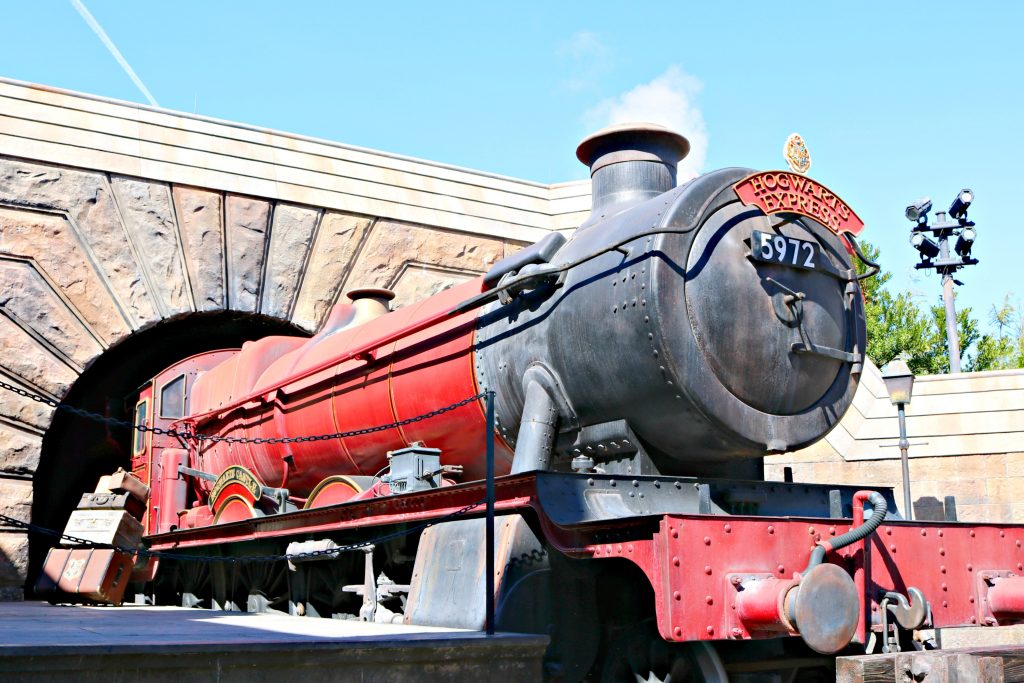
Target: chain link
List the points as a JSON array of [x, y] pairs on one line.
[[241, 559], [213, 438], [191, 436]]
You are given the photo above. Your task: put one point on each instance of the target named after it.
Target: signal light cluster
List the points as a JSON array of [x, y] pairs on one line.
[[934, 249]]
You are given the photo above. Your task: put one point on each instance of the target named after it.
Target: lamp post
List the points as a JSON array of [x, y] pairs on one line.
[[899, 382], [935, 253]]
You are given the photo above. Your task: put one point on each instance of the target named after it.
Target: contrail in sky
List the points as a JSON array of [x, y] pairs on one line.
[[102, 35]]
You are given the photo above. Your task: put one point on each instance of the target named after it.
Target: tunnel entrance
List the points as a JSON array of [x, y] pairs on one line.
[[77, 451]]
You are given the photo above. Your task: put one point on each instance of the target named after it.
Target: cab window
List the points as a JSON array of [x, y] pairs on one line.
[[172, 398], [141, 412]]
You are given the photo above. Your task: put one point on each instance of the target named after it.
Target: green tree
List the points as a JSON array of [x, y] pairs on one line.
[[1005, 348]]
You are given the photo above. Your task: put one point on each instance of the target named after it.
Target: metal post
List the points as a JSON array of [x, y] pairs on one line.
[[489, 539], [952, 337], [908, 509]]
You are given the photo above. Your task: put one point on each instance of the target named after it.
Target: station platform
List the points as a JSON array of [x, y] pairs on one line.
[[43, 642]]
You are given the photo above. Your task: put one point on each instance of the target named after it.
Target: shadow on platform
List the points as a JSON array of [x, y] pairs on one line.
[[39, 641]]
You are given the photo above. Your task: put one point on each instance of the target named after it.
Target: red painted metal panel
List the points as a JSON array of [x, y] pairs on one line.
[[691, 562], [434, 368], [299, 393], [154, 473]]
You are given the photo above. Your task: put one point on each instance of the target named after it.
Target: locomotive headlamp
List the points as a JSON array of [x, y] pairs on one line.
[[919, 209], [965, 241], [927, 247], [958, 209]]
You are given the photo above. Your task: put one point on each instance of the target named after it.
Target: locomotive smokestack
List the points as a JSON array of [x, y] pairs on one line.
[[630, 163], [370, 303], [367, 303]]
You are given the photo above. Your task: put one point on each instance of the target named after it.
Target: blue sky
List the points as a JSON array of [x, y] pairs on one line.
[[895, 100]]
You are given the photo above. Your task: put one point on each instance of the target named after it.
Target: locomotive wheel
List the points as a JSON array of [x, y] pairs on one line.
[[261, 587], [191, 582], [641, 655], [316, 590]]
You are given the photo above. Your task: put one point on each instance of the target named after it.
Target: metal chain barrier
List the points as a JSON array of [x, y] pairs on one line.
[[191, 436], [241, 559], [213, 438]]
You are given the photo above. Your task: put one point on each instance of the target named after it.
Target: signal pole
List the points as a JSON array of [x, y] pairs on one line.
[[935, 253], [952, 336]]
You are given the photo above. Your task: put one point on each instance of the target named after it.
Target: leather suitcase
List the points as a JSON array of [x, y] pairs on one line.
[[98, 574], [113, 501], [126, 482], [107, 527]]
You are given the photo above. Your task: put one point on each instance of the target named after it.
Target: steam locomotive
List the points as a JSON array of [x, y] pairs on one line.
[[640, 370]]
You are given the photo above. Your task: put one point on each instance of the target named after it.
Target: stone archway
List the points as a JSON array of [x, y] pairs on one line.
[[75, 451], [96, 266]]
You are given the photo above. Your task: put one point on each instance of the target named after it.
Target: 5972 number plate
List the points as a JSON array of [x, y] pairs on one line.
[[787, 251]]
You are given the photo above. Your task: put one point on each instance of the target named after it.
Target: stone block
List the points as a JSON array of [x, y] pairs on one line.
[[880, 472], [88, 201], [393, 246], [927, 489], [38, 365], [16, 498], [966, 491], [984, 513], [337, 241], [13, 564], [979, 466], [32, 304], [247, 220], [415, 282], [19, 450], [823, 450], [1015, 464], [773, 472], [1005, 490], [200, 215], [34, 416], [55, 250], [823, 473], [149, 219], [939, 469], [16, 502], [291, 234]]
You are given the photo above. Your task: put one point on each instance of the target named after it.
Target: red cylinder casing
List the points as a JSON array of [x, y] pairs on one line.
[[401, 380]]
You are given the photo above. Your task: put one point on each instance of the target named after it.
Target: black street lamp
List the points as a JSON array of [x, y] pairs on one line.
[[899, 382], [935, 253]]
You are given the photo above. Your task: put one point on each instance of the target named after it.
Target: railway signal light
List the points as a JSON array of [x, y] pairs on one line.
[[927, 247], [919, 209], [936, 253], [958, 209], [965, 241]]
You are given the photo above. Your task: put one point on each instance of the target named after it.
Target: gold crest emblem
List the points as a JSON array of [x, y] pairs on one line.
[[74, 569], [797, 155]]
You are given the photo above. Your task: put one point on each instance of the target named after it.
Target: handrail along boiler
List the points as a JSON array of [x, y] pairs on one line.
[[642, 368]]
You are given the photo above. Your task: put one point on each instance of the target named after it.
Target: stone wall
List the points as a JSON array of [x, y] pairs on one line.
[[116, 217], [966, 435], [88, 258]]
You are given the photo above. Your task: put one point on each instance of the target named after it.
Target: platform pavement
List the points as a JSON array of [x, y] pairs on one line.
[[42, 642]]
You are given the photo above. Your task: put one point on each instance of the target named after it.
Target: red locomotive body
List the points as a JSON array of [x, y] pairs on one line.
[[677, 338]]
